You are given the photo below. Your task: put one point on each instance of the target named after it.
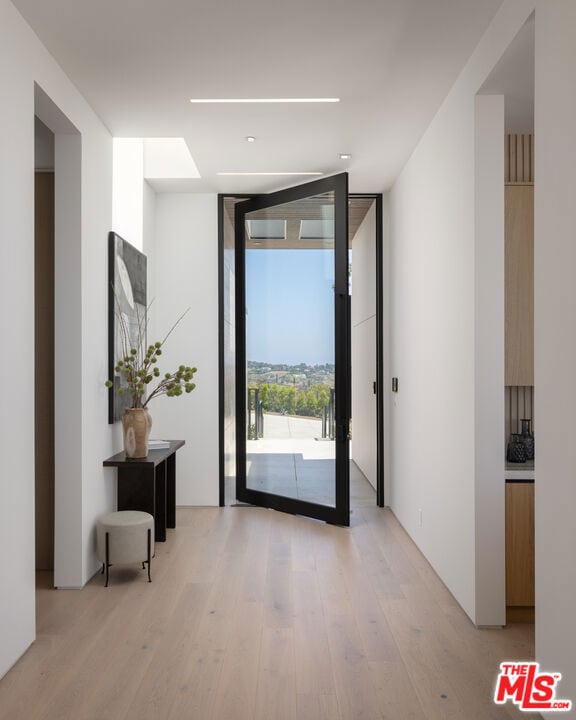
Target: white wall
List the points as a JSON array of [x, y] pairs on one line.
[[555, 339], [128, 190], [149, 248], [23, 61], [44, 146], [490, 542], [432, 225], [68, 390], [364, 448], [387, 373], [186, 275]]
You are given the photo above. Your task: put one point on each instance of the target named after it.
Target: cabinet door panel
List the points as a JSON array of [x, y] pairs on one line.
[[519, 294], [520, 544]]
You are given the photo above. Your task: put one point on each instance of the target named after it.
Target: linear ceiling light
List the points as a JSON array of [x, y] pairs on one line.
[[269, 173], [264, 100]]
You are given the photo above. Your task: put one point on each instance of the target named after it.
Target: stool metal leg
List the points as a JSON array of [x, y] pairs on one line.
[[107, 558], [149, 552]]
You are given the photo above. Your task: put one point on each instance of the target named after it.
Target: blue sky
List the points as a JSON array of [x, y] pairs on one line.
[[290, 303]]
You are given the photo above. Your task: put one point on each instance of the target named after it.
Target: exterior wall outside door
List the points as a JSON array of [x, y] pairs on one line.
[[364, 436]]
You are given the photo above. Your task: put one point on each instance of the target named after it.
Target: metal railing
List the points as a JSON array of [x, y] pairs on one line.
[[255, 419], [255, 416], [328, 419]]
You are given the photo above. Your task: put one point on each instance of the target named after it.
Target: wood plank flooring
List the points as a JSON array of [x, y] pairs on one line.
[[257, 615]]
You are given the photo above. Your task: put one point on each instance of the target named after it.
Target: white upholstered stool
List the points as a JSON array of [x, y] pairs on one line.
[[125, 537]]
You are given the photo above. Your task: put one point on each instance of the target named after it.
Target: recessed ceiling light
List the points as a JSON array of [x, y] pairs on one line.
[[250, 138], [269, 173], [264, 100], [344, 156]]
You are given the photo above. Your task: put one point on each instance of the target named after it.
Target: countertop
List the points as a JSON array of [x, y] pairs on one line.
[[520, 472]]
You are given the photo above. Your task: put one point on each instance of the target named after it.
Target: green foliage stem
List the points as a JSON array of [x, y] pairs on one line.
[[138, 365]]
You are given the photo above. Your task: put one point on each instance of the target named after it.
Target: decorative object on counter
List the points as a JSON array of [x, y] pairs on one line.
[[158, 444], [136, 424], [528, 438], [516, 452]]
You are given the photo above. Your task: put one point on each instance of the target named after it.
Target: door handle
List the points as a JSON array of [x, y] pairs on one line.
[[342, 431]]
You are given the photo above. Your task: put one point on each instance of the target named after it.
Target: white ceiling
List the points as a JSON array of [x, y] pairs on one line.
[[391, 62]]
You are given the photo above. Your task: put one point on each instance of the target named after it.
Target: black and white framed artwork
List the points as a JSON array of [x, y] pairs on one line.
[[127, 305]]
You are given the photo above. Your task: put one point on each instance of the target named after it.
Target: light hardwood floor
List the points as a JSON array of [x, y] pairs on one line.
[[257, 615]]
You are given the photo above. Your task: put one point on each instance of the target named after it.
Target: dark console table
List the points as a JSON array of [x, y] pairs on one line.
[[149, 484]]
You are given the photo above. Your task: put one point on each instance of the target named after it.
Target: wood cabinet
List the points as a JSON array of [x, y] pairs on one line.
[[520, 544], [519, 284]]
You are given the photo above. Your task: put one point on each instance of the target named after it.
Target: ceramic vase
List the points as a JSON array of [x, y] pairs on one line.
[[528, 439], [516, 450], [136, 424]]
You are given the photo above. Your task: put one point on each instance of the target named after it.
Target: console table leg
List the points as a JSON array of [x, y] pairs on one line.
[[160, 514], [149, 553], [107, 558], [171, 491]]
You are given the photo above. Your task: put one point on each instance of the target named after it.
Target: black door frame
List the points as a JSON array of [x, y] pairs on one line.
[[377, 197], [339, 513]]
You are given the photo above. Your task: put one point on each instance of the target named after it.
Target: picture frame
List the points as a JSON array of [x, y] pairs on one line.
[[127, 298]]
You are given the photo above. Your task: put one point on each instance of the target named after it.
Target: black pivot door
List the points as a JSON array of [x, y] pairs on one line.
[[293, 350]]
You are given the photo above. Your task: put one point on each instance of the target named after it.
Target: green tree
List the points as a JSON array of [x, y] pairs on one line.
[[323, 395], [273, 402], [301, 406], [264, 392], [312, 404]]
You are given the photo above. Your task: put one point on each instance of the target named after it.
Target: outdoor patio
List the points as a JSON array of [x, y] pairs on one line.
[[294, 461]]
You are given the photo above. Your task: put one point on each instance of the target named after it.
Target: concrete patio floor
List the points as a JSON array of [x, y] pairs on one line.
[[292, 460]]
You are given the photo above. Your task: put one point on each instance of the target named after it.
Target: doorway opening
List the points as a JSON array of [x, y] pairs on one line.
[[293, 350], [58, 350], [290, 400], [44, 349]]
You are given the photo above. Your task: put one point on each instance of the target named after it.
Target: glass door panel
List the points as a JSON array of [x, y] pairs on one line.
[[293, 350]]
